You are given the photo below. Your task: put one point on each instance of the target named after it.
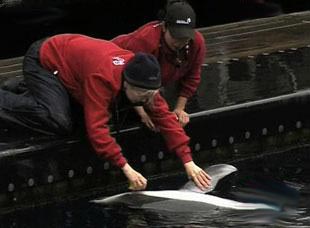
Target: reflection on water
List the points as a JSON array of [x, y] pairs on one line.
[[267, 75], [294, 172]]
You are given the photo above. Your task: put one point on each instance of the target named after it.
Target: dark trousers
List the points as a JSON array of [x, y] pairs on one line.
[[46, 105]]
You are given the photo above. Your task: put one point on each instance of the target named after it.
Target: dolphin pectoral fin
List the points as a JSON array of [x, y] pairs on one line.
[[217, 172], [110, 199]]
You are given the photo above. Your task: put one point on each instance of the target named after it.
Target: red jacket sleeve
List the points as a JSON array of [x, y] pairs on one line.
[[190, 82], [97, 99], [174, 135]]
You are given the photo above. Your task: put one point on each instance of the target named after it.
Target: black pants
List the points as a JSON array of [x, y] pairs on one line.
[[46, 105]]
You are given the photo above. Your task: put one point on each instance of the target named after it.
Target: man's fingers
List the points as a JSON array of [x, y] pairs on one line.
[[206, 180], [183, 119], [151, 125], [203, 181], [197, 182], [205, 175], [138, 184], [142, 182], [131, 186]]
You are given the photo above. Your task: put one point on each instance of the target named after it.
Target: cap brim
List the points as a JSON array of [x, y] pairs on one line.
[[180, 32], [140, 84]]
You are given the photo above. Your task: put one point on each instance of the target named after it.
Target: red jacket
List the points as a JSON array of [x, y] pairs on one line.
[[149, 39], [91, 70]]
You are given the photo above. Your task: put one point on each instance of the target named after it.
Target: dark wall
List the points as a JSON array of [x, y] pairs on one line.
[[23, 21], [21, 24]]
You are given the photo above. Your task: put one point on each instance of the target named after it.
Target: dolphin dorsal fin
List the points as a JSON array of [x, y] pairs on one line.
[[217, 172]]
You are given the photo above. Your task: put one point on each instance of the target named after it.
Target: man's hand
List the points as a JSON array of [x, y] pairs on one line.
[[200, 177], [183, 117], [135, 179], [145, 118]]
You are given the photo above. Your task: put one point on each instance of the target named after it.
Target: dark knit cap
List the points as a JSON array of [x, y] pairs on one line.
[[143, 71]]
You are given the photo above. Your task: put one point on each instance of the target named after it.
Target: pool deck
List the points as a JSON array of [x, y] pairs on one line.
[[250, 38]]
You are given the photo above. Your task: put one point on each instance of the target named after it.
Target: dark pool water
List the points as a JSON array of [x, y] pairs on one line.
[[289, 169]]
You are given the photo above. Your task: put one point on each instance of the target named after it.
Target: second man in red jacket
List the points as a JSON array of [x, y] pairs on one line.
[[179, 48]]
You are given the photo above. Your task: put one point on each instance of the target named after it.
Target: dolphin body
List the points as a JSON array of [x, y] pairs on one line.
[[187, 199]]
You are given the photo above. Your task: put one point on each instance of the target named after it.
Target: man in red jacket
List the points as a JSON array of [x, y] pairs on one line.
[[179, 49], [95, 73]]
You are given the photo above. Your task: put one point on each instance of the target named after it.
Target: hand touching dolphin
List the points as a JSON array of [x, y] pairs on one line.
[[200, 177]]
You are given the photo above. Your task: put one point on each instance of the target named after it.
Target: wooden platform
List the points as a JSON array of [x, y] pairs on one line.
[[250, 38]]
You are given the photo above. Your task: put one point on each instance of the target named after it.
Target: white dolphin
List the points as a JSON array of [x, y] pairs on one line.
[[188, 198]]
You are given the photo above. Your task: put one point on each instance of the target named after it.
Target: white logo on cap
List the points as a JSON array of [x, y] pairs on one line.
[[183, 22], [117, 61], [152, 78]]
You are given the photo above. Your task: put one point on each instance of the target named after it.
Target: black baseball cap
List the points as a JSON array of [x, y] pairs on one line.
[[181, 20]]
